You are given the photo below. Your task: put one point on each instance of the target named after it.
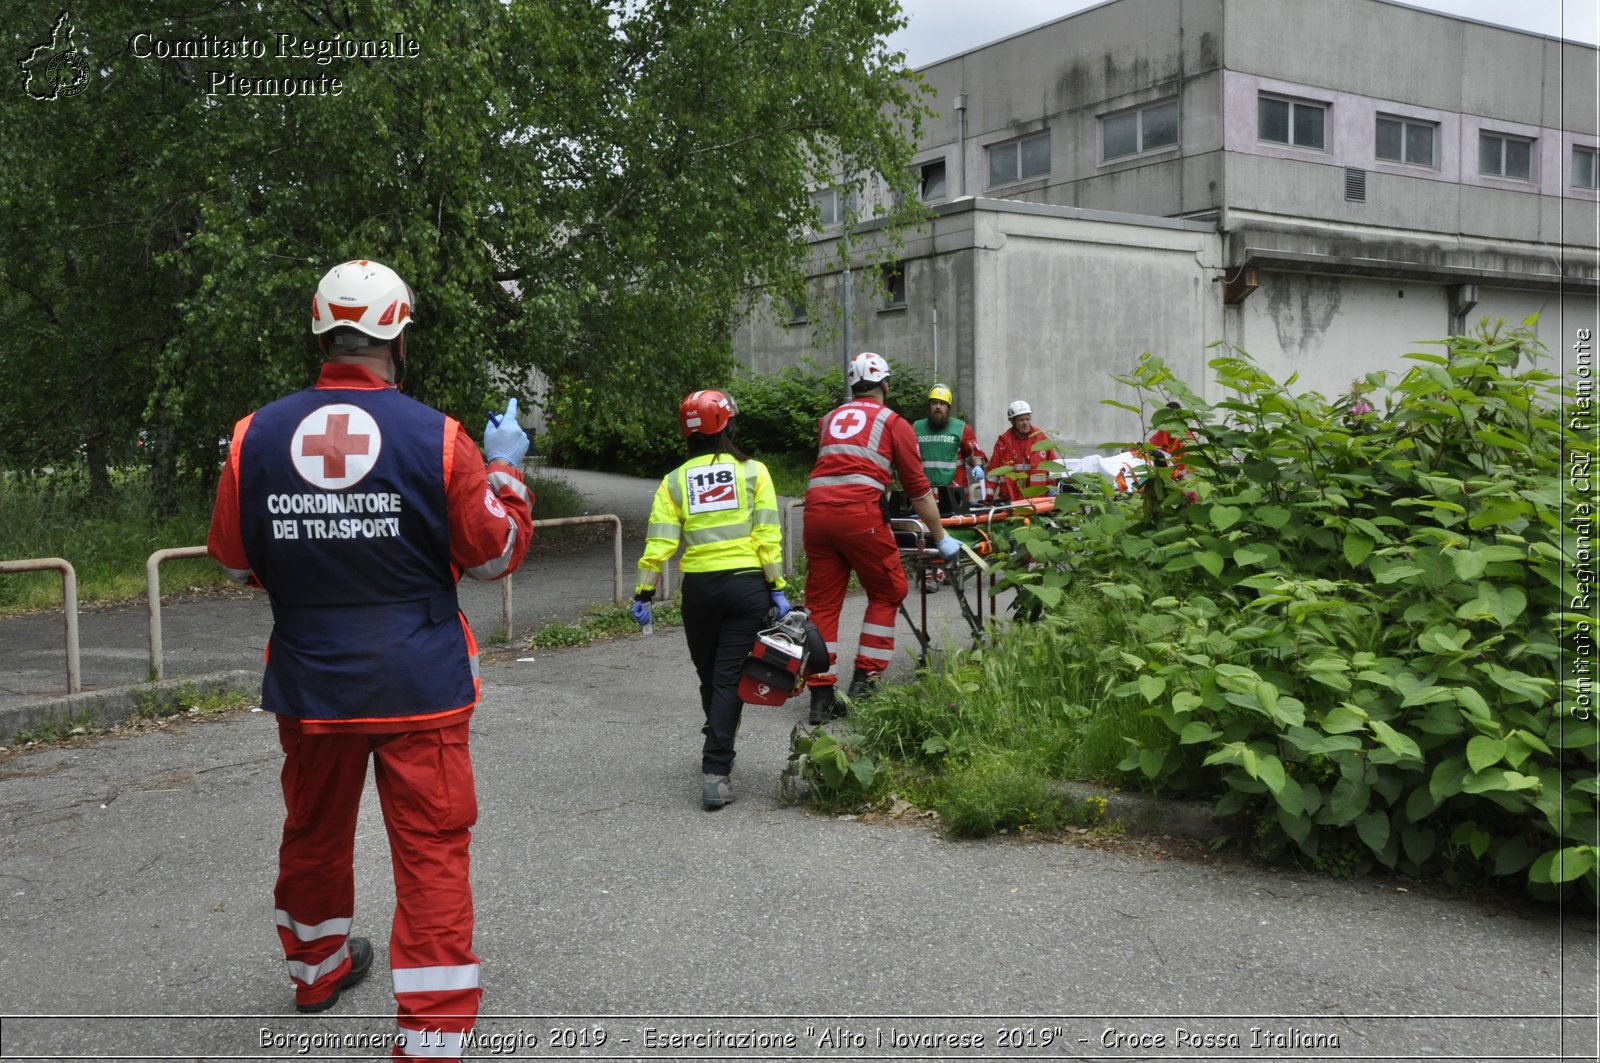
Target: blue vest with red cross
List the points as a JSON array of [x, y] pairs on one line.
[[343, 516]]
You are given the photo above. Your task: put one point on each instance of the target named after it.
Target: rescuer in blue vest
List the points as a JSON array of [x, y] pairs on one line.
[[357, 509]]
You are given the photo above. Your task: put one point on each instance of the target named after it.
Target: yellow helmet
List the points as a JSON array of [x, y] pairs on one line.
[[940, 393]]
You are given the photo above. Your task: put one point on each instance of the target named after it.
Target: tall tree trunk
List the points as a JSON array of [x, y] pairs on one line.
[[164, 467]]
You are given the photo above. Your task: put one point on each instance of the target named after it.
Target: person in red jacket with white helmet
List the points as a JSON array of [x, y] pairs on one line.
[[358, 509], [1015, 453], [861, 447]]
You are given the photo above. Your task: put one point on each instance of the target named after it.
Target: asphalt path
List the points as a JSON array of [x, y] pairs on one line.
[[617, 919]]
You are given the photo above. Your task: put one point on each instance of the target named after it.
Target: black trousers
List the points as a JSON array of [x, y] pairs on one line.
[[722, 611]]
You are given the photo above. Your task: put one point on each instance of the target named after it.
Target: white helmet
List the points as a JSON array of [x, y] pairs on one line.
[[867, 368], [364, 295], [1020, 408]]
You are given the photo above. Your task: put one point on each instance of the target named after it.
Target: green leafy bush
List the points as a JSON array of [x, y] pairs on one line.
[[778, 414], [831, 765], [778, 417], [1355, 633]]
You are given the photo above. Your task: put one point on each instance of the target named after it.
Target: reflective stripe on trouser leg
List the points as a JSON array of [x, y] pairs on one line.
[[323, 775], [828, 573], [877, 640], [876, 560], [429, 806]]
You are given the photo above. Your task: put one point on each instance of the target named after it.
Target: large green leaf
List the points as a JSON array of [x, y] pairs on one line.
[[1483, 752]]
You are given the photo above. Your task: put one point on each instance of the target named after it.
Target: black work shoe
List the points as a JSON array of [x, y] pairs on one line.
[[862, 686], [360, 964], [824, 706]]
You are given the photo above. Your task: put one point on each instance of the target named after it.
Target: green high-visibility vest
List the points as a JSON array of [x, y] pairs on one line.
[[941, 449]]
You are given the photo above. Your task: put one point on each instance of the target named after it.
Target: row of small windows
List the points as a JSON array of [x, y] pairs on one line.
[[1296, 123], [1304, 124]]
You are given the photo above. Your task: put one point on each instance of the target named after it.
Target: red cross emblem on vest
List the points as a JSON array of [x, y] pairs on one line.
[[336, 445]]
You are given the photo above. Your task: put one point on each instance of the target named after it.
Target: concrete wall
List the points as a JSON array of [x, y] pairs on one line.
[[1062, 76], [1042, 303], [1063, 305], [1333, 329]]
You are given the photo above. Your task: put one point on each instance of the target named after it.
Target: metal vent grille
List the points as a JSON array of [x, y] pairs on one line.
[[1355, 185]]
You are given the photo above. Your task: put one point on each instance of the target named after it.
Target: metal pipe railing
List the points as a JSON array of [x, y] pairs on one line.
[[791, 549], [152, 588], [616, 547], [153, 584], [69, 606]]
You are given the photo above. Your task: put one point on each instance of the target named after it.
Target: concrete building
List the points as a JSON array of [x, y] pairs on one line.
[[1325, 184]]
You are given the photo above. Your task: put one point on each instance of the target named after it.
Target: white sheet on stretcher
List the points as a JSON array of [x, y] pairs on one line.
[[1110, 466]]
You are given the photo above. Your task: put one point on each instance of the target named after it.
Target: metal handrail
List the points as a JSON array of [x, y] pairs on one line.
[[152, 588], [789, 549], [616, 552], [152, 576], [69, 605]]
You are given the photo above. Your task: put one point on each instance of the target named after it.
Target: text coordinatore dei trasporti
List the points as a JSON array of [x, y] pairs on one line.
[[892, 1039], [320, 51]]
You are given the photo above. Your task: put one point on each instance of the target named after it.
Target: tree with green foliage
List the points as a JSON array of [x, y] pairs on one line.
[[586, 190], [1356, 634]]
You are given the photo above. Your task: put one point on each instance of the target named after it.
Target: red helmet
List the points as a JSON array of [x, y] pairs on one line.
[[707, 412]]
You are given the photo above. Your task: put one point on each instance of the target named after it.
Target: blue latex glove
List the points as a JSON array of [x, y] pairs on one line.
[[503, 437], [642, 613], [780, 603], [948, 547]]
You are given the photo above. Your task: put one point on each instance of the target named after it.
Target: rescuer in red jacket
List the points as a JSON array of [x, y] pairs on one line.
[[861, 447], [358, 509], [1015, 452]]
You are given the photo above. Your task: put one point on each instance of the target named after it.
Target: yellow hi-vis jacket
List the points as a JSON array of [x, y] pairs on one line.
[[724, 511]]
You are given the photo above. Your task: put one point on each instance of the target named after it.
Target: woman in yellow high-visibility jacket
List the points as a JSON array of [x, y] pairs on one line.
[[721, 505]]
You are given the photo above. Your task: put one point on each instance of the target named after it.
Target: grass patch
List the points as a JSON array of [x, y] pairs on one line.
[[790, 472], [151, 708], [188, 699], [992, 795], [1014, 699], [985, 736], [598, 623], [106, 541]]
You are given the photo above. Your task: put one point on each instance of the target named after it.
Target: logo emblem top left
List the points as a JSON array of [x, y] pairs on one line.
[[335, 446]]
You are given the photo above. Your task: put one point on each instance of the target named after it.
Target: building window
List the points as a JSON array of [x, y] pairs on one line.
[[930, 180], [1017, 160], [826, 203], [1583, 167], [1294, 122], [1407, 141], [893, 278], [797, 312], [1134, 132], [1503, 156]]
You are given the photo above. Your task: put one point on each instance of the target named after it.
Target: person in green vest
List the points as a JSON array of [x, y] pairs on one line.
[[949, 449]]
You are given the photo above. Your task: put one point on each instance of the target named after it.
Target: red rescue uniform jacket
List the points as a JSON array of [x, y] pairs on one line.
[[1016, 452], [861, 446]]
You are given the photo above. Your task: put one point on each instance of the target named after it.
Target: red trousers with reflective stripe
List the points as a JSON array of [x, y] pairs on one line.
[[848, 537], [429, 806]]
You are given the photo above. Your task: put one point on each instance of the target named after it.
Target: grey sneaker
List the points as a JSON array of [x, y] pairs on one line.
[[715, 792]]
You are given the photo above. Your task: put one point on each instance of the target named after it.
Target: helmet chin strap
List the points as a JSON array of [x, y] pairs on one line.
[[397, 356]]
